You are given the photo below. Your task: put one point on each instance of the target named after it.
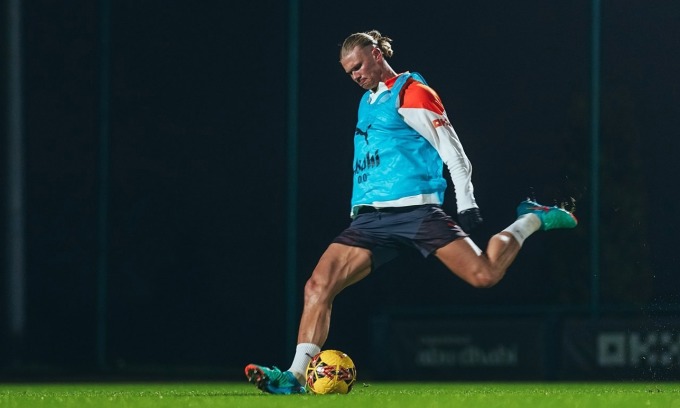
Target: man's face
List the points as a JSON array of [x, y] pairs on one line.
[[361, 64]]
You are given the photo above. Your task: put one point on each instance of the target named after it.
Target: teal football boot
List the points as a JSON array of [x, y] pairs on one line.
[[551, 217], [274, 381]]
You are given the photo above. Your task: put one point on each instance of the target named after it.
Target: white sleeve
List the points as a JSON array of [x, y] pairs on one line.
[[438, 131]]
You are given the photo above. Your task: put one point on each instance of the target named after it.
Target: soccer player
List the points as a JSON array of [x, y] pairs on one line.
[[402, 140]]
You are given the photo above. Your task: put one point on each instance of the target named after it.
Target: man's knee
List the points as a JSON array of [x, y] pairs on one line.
[[321, 285], [315, 287], [483, 281], [484, 277]]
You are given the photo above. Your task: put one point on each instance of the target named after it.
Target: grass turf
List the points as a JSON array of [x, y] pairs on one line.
[[383, 395]]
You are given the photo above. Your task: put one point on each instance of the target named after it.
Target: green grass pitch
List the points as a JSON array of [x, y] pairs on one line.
[[383, 395]]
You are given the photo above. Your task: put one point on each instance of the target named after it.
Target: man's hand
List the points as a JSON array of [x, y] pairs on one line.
[[470, 219]]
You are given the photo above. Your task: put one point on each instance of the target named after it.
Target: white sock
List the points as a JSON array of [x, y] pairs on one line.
[[303, 355], [524, 226]]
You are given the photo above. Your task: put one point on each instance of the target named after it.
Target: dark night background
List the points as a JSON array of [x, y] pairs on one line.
[[198, 169]]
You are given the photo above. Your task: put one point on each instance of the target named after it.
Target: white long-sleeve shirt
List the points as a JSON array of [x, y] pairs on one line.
[[422, 109]]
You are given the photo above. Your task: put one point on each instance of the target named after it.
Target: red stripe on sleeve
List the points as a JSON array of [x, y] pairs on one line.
[[415, 94]]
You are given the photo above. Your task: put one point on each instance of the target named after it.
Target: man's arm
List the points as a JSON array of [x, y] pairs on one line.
[[423, 110]]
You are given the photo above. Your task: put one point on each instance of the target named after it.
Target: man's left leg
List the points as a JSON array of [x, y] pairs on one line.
[[340, 266]]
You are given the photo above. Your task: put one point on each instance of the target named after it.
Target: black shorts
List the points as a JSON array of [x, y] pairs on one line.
[[387, 231]]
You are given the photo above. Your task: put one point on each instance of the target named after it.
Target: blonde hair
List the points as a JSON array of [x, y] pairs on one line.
[[364, 39]]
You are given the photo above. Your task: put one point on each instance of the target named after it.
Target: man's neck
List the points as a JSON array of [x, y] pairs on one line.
[[388, 83]]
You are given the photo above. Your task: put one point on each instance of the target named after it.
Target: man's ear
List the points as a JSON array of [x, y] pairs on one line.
[[377, 54]]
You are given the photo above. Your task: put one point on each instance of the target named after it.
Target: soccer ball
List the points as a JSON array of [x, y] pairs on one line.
[[331, 372]]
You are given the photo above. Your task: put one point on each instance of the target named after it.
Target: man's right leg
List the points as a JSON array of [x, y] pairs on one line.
[[485, 268], [339, 267]]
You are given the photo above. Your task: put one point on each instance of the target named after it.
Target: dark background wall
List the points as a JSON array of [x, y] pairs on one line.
[[198, 170]]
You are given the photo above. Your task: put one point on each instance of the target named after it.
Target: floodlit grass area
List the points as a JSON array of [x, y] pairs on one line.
[[382, 395]]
